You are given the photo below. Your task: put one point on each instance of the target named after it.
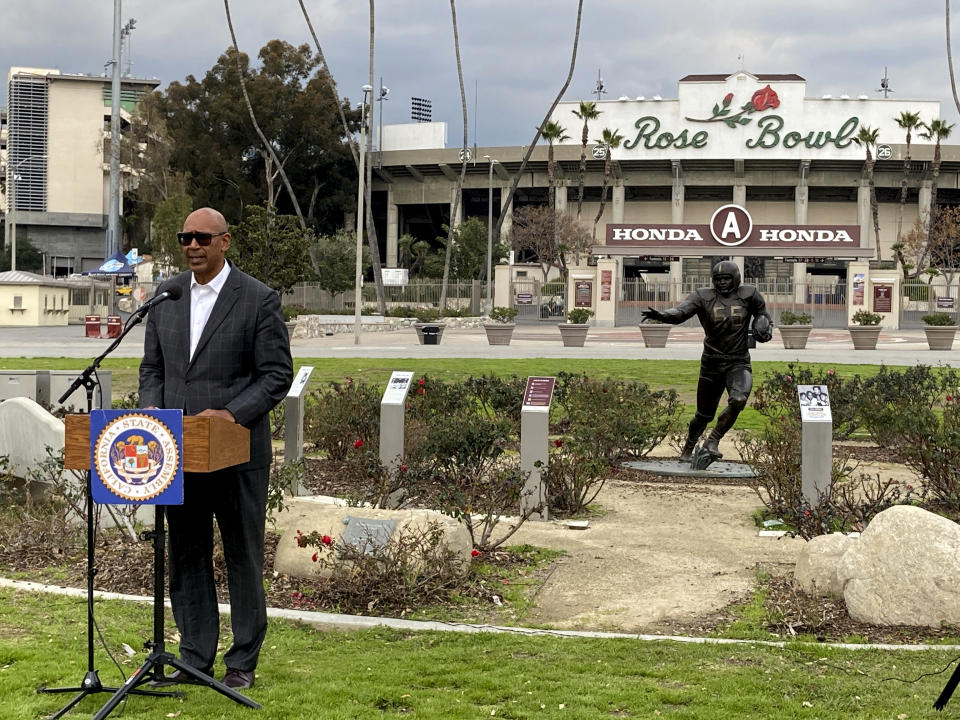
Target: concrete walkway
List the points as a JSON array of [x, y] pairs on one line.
[[896, 347]]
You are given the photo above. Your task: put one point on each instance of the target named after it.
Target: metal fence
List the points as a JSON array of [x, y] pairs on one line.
[[416, 294], [537, 301], [826, 303], [920, 297]]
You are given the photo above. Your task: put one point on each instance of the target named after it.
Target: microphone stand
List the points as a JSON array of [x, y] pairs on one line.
[[91, 680]]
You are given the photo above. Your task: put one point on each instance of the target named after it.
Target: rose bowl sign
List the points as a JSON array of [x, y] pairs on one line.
[[732, 232]]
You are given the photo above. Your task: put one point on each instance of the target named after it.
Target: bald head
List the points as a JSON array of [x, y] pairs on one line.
[[211, 220], [206, 260]]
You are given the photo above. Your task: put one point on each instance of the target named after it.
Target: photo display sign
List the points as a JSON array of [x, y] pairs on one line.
[[136, 457], [397, 387], [539, 391], [814, 403]]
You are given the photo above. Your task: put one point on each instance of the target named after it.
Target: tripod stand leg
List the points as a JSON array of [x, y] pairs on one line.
[[144, 673]]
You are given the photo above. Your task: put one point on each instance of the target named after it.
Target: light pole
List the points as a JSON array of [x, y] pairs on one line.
[[363, 155], [10, 218], [490, 232], [381, 96]]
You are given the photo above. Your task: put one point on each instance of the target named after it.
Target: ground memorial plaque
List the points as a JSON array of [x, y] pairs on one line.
[[534, 438], [816, 455]]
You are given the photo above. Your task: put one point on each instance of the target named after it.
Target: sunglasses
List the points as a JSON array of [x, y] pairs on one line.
[[203, 238]]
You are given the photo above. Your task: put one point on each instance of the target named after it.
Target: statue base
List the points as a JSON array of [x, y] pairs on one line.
[[677, 468]]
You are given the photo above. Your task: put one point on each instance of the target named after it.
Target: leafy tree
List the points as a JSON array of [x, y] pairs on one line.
[[547, 235], [167, 221], [553, 132], [29, 259], [469, 252], [867, 138], [272, 248], [587, 111], [609, 139], [336, 256], [213, 142]]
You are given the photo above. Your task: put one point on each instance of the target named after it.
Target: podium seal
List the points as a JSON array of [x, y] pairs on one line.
[[136, 457]]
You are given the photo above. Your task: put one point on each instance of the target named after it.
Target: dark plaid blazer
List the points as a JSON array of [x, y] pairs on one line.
[[242, 362]]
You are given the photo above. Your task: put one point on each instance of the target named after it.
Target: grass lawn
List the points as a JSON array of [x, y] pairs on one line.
[[309, 673], [679, 375]]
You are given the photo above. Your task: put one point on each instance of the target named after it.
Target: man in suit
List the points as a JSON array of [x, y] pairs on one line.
[[222, 350]]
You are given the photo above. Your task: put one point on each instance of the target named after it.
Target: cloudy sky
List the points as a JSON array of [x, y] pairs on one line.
[[515, 53]]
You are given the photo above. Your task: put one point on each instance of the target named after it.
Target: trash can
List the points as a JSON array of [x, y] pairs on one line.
[[114, 326], [91, 323], [431, 335]]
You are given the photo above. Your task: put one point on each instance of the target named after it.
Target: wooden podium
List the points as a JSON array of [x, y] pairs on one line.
[[209, 443]]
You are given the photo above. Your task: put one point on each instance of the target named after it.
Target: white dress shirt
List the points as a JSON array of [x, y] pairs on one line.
[[202, 299]]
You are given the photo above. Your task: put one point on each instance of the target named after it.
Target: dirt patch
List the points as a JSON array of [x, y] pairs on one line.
[[660, 556]]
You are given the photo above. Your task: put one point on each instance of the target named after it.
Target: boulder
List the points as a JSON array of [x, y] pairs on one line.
[[358, 525], [26, 431], [905, 570], [816, 570]]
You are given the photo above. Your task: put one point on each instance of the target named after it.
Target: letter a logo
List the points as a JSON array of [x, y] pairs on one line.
[[731, 225]]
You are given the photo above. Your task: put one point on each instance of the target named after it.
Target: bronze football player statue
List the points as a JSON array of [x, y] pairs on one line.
[[725, 311]]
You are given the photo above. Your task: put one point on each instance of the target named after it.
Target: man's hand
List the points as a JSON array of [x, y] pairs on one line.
[[651, 314], [225, 414]]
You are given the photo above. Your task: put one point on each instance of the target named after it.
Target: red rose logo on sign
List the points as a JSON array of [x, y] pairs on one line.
[[763, 99]]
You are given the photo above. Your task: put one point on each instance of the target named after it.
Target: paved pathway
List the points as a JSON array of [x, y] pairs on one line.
[[896, 347]]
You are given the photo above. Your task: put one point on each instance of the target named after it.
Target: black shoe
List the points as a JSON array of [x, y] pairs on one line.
[[688, 448], [238, 679], [178, 677]]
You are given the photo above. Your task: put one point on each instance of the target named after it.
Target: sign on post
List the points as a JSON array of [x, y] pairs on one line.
[[293, 419], [816, 455], [534, 444], [392, 407]]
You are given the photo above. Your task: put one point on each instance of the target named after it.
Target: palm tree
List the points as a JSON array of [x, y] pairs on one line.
[[867, 138], [268, 148], [909, 121], [553, 132], [935, 130], [588, 111], [553, 106], [463, 163], [371, 228], [608, 139]]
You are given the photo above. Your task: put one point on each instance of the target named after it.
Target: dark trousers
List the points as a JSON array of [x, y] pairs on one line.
[[237, 499]]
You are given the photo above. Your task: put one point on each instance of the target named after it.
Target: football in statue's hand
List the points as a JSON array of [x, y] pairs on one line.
[[762, 330]]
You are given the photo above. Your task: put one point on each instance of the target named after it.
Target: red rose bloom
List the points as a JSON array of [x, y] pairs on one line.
[[358, 444], [765, 99], [315, 555], [558, 443], [475, 553], [419, 391], [326, 540]]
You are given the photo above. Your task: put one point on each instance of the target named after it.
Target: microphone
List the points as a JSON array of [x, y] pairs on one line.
[[174, 292]]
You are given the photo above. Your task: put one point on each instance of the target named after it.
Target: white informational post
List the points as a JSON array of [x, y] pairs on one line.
[[534, 439], [392, 407], [293, 406], [816, 455]]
